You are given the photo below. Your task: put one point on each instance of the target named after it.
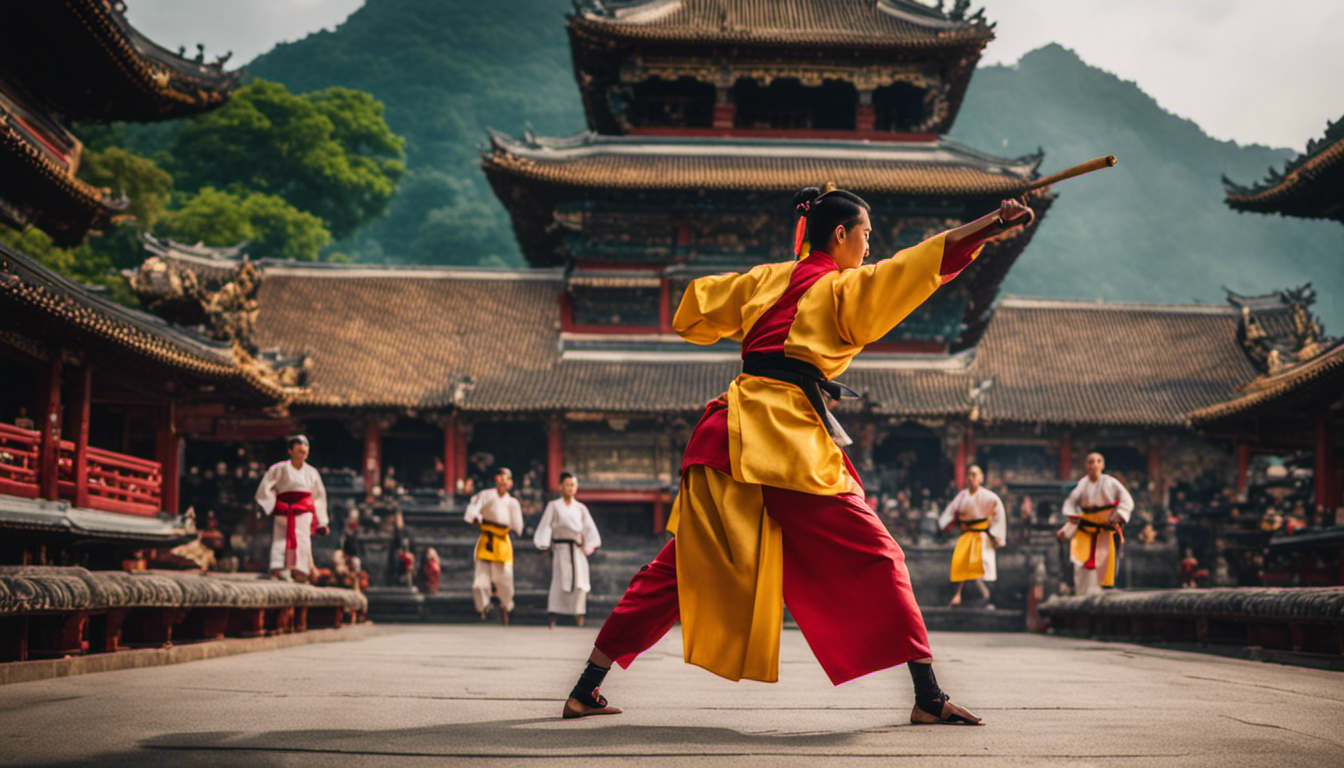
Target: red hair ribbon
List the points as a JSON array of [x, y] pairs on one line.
[[799, 234]]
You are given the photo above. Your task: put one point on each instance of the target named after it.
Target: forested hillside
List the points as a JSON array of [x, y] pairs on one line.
[[1152, 229]]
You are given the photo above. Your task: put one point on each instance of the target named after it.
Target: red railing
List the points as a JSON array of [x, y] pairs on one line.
[[18, 460], [115, 482]]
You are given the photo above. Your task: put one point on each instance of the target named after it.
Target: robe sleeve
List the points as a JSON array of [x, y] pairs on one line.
[[1071, 508], [320, 499], [998, 526], [711, 308], [516, 516], [1126, 505], [266, 491], [591, 538], [872, 299], [473, 513], [542, 538], [949, 515]]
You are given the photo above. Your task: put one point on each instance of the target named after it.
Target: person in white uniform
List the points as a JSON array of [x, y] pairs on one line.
[[978, 512], [292, 492], [1097, 510], [567, 529], [497, 513]]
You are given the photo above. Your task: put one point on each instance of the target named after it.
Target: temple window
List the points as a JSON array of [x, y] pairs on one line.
[[681, 103], [788, 104], [615, 306], [899, 107]]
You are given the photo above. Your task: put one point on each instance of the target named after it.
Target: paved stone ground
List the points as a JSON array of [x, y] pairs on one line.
[[482, 695]]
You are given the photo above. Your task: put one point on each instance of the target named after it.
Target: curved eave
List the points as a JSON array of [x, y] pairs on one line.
[[1310, 188], [121, 74], [53, 306], [1323, 374], [45, 195], [935, 168]]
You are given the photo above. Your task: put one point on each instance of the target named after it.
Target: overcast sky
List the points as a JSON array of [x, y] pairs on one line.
[[1255, 71]]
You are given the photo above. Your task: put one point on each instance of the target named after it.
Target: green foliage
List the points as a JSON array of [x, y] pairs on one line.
[[145, 185], [83, 264], [328, 153], [446, 71], [272, 227], [1155, 227]]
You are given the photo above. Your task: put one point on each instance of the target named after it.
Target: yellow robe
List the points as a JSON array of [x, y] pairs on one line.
[[729, 551]]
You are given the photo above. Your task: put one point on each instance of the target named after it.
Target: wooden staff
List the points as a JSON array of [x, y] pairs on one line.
[[1077, 170]]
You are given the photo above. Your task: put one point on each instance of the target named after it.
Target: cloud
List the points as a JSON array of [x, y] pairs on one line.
[[246, 27]]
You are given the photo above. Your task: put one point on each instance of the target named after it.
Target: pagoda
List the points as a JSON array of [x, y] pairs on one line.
[[706, 116]]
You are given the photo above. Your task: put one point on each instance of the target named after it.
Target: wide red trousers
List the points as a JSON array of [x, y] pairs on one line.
[[845, 582]]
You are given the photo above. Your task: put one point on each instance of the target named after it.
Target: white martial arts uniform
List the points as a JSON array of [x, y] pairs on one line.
[[494, 555], [984, 504], [1105, 492], [282, 478], [569, 531]]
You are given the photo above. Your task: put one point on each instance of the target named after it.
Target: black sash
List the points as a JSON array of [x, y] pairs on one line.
[[573, 561], [801, 374]]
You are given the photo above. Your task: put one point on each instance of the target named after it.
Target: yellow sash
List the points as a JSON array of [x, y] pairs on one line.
[[1092, 526], [968, 558], [494, 543]]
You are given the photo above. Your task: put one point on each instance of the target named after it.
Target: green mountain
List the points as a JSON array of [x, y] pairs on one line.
[[1154, 228]]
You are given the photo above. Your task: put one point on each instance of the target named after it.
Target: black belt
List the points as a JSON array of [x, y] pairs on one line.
[[803, 375], [573, 561]]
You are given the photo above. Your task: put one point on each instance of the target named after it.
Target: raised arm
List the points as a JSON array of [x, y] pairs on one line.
[[949, 516], [711, 308]]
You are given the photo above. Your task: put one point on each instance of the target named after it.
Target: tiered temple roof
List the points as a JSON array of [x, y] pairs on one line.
[[84, 61], [1311, 186], [43, 311]]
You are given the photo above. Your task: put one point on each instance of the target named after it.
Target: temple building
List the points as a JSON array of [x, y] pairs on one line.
[[90, 436]]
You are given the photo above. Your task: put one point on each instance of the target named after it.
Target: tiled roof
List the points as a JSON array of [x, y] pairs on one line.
[[87, 62], [858, 23], [643, 163], [1323, 374], [40, 303], [406, 337], [1079, 362], [35, 190], [1311, 186]]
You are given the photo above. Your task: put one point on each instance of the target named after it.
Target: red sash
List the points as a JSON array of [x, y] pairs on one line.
[[291, 504]]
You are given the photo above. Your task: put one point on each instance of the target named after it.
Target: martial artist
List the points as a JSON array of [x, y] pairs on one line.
[[497, 513], [292, 491], [567, 529], [770, 511], [1097, 511], [979, 513]]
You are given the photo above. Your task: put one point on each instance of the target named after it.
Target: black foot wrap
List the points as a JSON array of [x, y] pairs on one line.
[[928, 696], [585, 691]]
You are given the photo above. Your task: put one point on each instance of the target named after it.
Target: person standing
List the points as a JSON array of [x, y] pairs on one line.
[[292, 491], [984, 528], [770, 511], [497, 513], [1097, 511], [567, 529]]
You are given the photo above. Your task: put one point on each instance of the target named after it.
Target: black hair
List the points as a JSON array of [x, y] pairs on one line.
[[826, 211], [566, 476], [502, 471], [296, 440]]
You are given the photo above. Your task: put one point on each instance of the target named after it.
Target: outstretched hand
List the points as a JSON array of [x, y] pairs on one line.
[[1014, 212]]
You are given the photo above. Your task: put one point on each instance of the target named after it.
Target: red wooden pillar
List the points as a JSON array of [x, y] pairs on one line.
[[373, 445], [659, 515], [865, 116], [49, 462], [463, 436], [450, 456], [1323, 466], [664, 307], [1065, 457], [555, 453], [959, 464], [1243, 463], [167, 448], [82, 438], [1156, 482]]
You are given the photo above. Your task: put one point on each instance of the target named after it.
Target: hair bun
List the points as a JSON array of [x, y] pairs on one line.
[[803, 200]]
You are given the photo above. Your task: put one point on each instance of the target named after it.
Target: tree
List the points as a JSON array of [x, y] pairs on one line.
[[328, 153], [145, 184], [272, 227]]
